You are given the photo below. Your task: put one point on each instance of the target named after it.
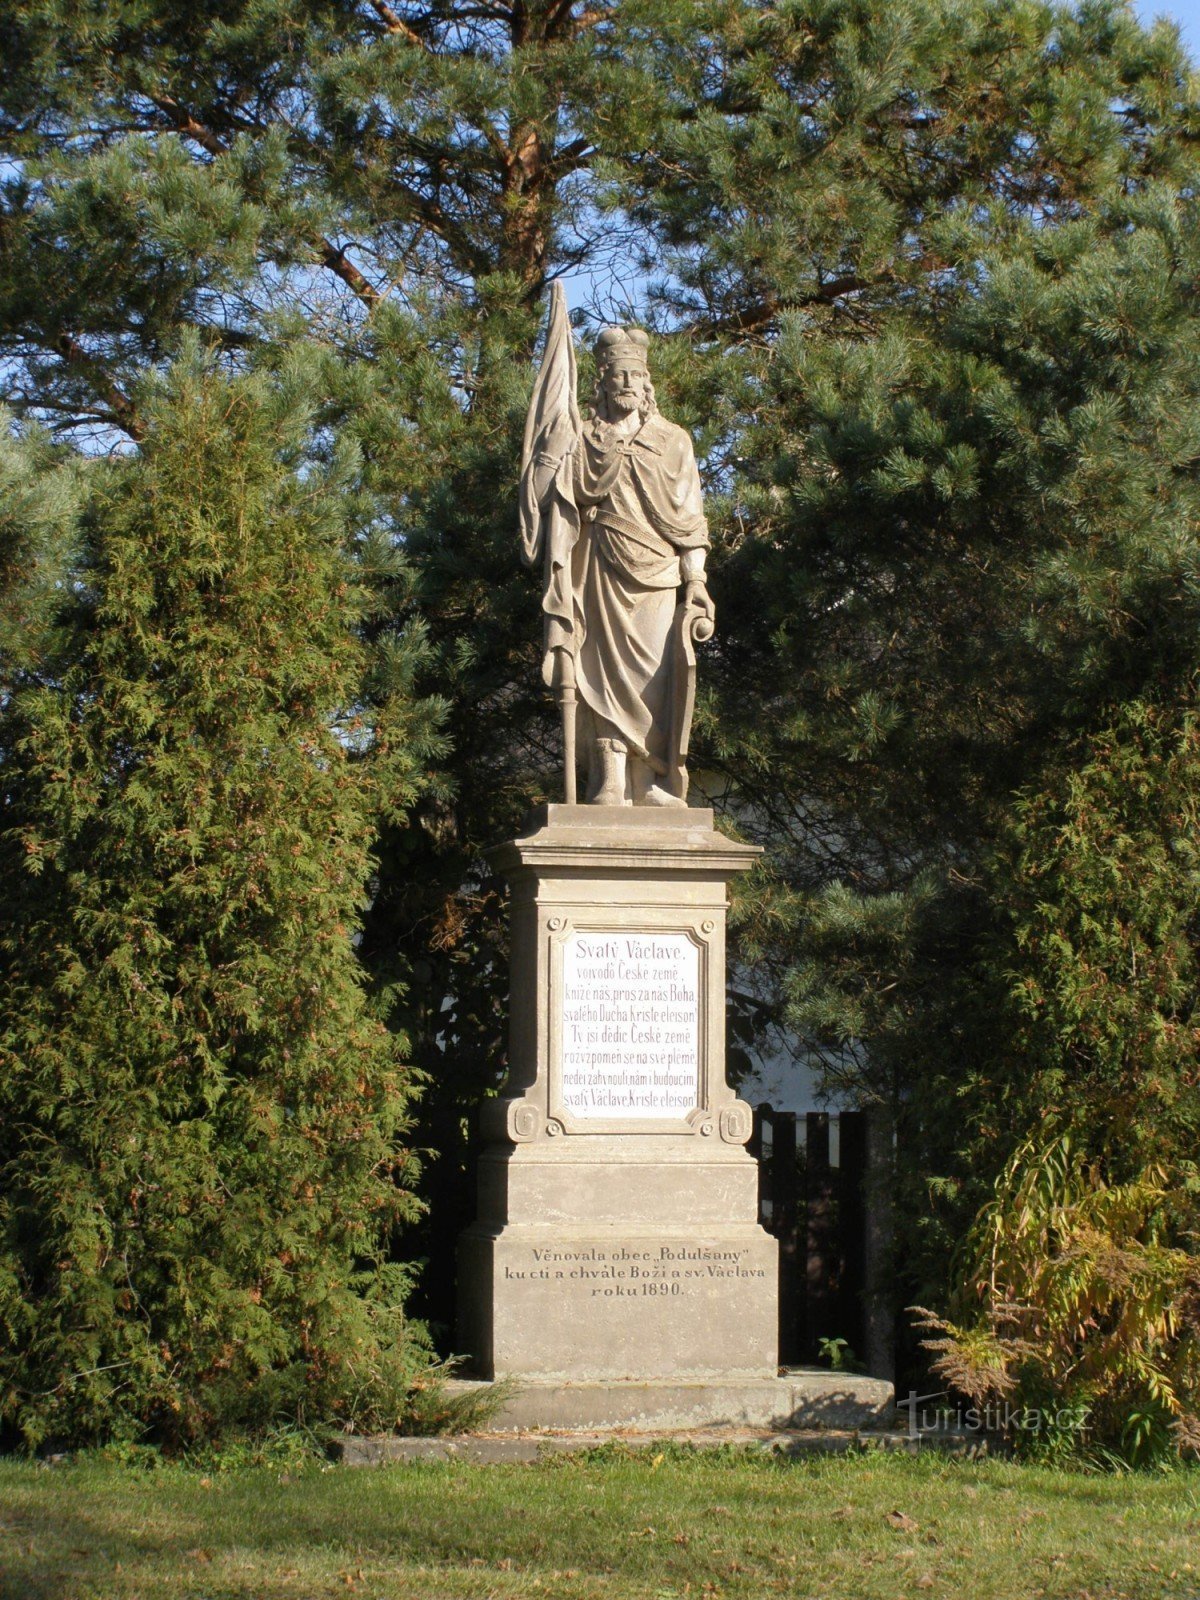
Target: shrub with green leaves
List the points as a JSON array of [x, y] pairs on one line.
[[1080, 1320], [1081, 1278], [202, 1152]]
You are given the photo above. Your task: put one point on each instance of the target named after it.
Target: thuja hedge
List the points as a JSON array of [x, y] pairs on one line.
[[202, 1151]]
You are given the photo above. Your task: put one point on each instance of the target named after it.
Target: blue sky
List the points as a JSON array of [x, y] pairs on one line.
[[1185, 12]]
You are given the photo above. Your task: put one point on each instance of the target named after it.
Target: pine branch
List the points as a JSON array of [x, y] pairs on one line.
[[763, 311], [330, 255], [334, 257], [570, 158], [434, 217], [124, 412], [396, 24], [591, 18], [183, 122]]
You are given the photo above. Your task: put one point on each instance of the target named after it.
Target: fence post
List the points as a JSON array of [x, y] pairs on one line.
[[879, 1312], [785, 1224], [819, 1307], [852, 1173], [756, 1146]]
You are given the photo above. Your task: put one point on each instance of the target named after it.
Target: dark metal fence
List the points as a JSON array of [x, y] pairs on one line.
[[817, 1211]]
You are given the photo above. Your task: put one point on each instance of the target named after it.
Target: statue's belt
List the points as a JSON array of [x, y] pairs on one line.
[[647, 537]]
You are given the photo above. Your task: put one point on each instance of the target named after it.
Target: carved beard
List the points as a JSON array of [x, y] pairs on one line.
[[611, 408]]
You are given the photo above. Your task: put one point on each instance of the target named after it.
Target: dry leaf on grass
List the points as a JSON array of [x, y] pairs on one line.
[[902, 1522]]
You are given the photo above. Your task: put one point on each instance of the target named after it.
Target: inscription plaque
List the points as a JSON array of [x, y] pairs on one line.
[[636, 1272], [630, 1025]]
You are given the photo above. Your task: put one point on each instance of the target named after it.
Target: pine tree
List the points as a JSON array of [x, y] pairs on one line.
[[942, 258], [202, 1159]]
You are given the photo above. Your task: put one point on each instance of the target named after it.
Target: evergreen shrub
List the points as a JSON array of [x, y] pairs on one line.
[[202, 1151]]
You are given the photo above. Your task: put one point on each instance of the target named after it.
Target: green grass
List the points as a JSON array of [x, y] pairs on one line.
[[615, 1524]]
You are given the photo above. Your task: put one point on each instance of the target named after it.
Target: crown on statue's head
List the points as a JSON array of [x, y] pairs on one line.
[[622, 344]]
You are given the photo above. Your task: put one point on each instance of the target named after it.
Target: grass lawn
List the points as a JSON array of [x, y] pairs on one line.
[[615, 1524]]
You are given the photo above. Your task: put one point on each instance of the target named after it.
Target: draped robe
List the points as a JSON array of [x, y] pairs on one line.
[[640, 507]]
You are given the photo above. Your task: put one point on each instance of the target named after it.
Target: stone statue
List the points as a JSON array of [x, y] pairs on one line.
[[611, 507]]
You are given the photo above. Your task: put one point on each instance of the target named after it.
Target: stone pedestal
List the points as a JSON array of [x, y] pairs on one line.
[[617, 1239]]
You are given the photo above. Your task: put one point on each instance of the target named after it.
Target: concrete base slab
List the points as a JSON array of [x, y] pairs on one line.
[[500, 1449], [798, 1398]]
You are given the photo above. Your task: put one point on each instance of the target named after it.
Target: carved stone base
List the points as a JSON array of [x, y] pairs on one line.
[[666, 1302], [618, 1236], [801, 1398]]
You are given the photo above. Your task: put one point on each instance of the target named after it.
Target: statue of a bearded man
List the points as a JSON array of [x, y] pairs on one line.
[[611, 507]]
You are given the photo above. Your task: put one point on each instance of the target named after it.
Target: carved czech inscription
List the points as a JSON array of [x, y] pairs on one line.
[[631, 1272], [630, 1025]]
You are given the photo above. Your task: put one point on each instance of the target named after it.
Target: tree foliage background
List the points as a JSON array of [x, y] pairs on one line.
[[923, 279]]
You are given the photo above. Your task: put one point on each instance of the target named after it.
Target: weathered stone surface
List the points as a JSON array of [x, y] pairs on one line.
[[380, 1450], [484, 1449], [625, 1303], [617, 1234], [803, 1399], [502, 1449]]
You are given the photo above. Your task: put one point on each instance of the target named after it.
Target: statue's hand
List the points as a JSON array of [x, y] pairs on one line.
[[696, 594], [553, 447], [558, 441], [562, 668]]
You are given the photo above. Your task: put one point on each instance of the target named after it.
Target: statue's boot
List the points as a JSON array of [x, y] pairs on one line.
[[648, 793], [611, 788]]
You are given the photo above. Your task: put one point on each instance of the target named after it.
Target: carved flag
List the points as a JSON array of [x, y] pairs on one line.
[[550, 528]]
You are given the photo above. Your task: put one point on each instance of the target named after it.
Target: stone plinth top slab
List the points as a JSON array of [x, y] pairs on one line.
[[631, 818], [632, 838]]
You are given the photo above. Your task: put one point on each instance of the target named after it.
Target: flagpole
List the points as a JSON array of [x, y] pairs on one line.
[[566, 701]]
